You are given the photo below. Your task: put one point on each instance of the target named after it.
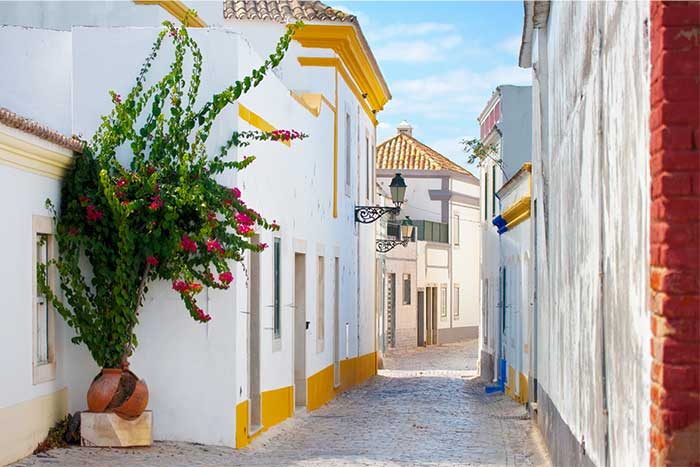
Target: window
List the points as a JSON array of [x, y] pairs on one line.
[[486, 194], [443, 302], [276, 317], [455, 303], [43, 358], [455, 231], [368, 168], [432, 231], [406, 289], [320, 306], [348, 159], [493, 190]]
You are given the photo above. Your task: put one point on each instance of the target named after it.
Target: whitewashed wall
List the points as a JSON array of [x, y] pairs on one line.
[[591, 182], [64, 15]]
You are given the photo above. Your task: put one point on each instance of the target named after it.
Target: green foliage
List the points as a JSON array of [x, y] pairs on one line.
[[478, 152], [165, 216]]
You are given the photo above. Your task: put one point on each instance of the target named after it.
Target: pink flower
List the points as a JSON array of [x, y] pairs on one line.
[[226, 277], [180, 286], [195, 287], [122, 182], [152, 260], [150, 169], [242, 218], [188, 244], [236, 193], [117, 98], [227, 202], [93, 214], [214, 245], [73, 231], [262, 246], [243, 229], [83, 199], [155, 203], [211, 216]]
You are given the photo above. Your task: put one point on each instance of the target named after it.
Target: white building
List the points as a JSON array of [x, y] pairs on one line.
[[505, 124], [244, 371], [431, 285], [513, 329]]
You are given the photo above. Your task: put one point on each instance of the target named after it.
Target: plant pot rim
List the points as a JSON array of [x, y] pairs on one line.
[[112, 370]]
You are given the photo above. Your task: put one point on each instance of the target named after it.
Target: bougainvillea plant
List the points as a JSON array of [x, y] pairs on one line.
[[164, 216]]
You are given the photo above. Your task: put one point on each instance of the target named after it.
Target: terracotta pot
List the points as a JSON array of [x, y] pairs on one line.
[[119, 391]]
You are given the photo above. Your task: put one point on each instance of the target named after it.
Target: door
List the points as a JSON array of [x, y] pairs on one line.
[[254, 330], [300, 330], [420, 319], [429, 316], [434, 316], [391, 309], [336, 323]]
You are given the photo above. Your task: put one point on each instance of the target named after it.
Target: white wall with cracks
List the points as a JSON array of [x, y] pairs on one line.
[[591, 199]]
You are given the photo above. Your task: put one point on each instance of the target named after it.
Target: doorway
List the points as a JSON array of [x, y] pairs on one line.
[[299, 329], [391, 309], [431, 321], [336, 323], [254, 328], [420, 319]]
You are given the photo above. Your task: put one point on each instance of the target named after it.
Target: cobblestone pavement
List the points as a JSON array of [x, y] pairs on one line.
[[427, 408]]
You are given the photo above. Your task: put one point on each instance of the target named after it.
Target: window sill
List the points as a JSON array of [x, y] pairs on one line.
[[44, 373]]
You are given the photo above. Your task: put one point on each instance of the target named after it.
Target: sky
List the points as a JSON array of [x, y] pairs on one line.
[[442, 61]]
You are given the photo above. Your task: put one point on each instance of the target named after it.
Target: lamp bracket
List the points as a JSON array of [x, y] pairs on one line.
[[369, 214], [387, 245]]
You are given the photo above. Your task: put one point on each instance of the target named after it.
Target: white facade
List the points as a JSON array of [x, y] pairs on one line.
[[199, 374], [441, 304], [506, 126], [591, 208]]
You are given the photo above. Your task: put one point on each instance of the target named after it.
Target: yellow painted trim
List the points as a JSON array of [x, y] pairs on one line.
[[176, 8], [510, 385], [335, 149], [523, 390], [338, 65], [321, 388], [517, 212], [30, 157], [312, 102], [343, 40], [24, 425], [257, 121], [277, 406]]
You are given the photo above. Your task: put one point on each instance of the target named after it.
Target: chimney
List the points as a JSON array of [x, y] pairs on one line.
[[405, 128]]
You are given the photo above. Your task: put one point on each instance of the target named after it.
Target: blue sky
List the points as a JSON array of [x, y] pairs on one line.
[[442, 61]]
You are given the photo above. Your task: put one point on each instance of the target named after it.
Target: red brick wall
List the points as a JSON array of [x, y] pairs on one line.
[[675, 233]]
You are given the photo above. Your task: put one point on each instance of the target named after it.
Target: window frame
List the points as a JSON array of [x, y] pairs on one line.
[[455, 230], [406, 296], [455, 302], [348, 153], [320, 303], [43, 371], [443, 302], [277, 288]]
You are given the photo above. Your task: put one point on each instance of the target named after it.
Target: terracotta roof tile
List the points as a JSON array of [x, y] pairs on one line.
[[283, 11], [405, 152], [9, 118]]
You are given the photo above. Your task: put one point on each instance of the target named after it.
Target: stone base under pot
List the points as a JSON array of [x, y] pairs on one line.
[[110, 430]]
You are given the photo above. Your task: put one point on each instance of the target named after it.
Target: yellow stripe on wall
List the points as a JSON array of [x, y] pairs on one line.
[[278, 404], [353, 371], [176, 8], [257, 121]]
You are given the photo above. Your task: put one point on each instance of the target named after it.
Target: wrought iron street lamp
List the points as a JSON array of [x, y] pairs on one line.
[[406, 234], [369, 214]]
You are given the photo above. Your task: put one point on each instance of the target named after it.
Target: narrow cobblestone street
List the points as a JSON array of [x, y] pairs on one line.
[[426, 408]]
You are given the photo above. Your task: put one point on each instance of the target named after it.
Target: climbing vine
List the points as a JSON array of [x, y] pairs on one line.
[[162, 216]]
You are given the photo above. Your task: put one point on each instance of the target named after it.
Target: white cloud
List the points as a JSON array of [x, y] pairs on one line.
[[408, 30], [419, 50]]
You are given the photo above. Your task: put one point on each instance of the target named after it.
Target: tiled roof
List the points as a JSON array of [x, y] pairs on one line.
[[405, 152], [283, 11], [9, 118]]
